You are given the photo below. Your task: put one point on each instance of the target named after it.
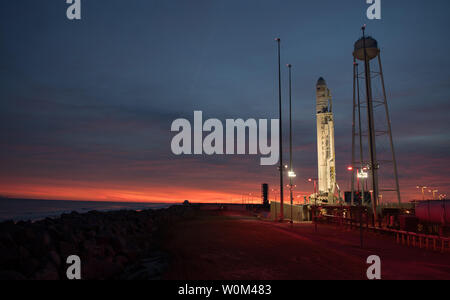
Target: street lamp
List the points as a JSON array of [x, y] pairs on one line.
[[361, 175], [434, 193], [423, 188], [352, 180], [315, 185]]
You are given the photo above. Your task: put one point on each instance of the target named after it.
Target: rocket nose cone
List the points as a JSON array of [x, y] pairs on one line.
[[321, 82]]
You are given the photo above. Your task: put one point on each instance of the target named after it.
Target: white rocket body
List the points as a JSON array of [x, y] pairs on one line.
[[325, 143]]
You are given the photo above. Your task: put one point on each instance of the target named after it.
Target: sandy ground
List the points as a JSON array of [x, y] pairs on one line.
[[233, 246]]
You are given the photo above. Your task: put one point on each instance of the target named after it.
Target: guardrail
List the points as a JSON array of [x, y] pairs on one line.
[[436, 243], [410, 239]]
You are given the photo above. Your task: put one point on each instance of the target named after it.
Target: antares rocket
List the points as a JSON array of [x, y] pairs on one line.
[[326, 155]]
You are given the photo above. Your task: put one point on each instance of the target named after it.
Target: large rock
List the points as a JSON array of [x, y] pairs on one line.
[[94, 268], [49, 272], [107, 243], [67, 249], [29, 266], [151, 268], [11, 275]]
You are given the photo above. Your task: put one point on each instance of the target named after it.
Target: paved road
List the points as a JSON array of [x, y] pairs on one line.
[[238, 247]]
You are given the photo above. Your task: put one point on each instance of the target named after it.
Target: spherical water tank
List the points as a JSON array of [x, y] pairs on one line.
[[372, 49]]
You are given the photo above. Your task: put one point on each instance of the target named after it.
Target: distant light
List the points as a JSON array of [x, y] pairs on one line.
[[292, 174], [363, 175], [350, 168]]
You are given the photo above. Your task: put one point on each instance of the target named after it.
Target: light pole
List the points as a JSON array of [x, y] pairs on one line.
[[314, 180], [278, 40], [352, 185], [291, 171], [423, 188], [362, 174], [434, 193]]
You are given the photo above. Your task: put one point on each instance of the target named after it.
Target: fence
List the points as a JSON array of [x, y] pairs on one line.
[[409, 239]]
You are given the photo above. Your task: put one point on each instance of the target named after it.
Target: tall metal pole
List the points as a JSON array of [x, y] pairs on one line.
[[357, 105], [352, 202], [278, 40], [363, 196], [290, 139], [361, 157], [390, 131], [371, 129], [361, 153]]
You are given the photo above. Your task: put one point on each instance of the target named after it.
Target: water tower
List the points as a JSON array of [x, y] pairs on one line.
[[366, 50]]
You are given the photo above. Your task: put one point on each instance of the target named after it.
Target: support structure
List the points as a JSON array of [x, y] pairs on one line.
[[388, 118], [366, 50]]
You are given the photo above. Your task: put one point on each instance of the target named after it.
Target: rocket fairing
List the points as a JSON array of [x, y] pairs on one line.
[[325, 142]]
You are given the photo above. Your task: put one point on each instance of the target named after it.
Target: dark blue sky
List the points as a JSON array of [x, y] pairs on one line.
[[86, 106]]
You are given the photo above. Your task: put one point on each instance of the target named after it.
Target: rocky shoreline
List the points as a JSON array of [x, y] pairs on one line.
[[111, 245]]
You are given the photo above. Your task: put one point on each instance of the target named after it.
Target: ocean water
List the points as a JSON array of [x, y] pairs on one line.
[[33, 210]]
